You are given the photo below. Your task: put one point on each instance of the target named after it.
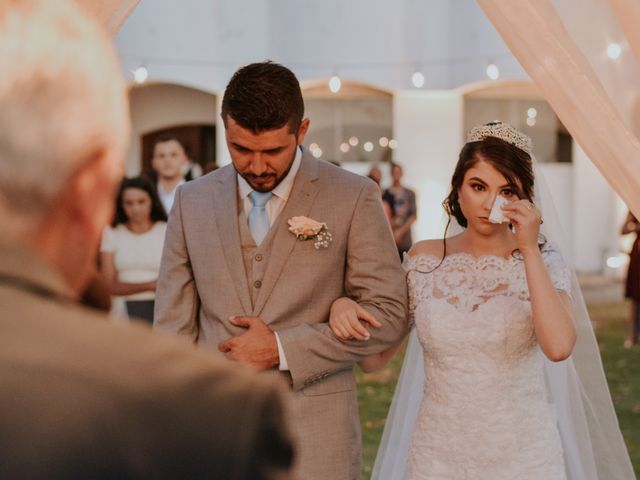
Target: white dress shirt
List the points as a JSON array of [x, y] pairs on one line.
[[167, 197], [275, 205]]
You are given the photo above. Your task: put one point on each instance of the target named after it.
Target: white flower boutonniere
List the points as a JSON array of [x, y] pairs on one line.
[[305, 228]]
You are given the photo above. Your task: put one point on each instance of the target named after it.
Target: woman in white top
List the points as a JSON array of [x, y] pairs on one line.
[[132, 247]]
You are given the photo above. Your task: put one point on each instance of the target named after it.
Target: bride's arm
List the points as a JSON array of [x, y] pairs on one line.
[[379, 360], [347, 320], [551, 310]]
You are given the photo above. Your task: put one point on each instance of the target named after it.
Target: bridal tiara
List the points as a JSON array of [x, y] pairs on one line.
[[503, 131]]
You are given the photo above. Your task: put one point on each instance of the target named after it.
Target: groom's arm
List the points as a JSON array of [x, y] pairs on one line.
[[177, 302], [373, 278]]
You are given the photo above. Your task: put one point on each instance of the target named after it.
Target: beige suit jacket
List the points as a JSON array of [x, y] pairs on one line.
[[203, 282], [83, 398]]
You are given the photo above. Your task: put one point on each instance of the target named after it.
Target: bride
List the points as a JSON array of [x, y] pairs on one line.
[[493, 311]]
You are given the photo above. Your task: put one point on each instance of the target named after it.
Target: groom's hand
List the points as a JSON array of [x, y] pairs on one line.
[[257, 346]]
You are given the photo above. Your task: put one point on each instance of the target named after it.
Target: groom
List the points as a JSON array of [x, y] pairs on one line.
[[234, 278]]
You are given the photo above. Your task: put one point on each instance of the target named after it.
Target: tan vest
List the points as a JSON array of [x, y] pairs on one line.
[[255, 258]]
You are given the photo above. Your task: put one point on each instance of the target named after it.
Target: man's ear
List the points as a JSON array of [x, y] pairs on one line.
[[302, 131], [91, 191]]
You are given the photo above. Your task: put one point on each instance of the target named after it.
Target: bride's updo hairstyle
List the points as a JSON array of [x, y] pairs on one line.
[[506, 150]]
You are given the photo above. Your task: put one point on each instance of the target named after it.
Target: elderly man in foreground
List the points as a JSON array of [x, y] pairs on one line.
[[81, 397]]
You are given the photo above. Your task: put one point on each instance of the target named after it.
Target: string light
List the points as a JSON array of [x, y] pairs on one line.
[[614, 50], [140, 74], [384, 142], [417, 79], [335, 84], [353, 141], [344, 147], [393, 144], [317, 153], [368, 147], [532, 113], [531, 121], [492, 71]]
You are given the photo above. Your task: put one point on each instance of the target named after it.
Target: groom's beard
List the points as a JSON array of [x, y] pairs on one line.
[[268, 181]]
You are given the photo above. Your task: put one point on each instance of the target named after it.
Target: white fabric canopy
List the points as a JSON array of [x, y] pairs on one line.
[[111, 13], [627, 13], [537, 36]]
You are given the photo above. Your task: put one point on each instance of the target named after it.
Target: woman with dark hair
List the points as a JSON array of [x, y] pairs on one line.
[[494, 315], [632, 282], [132, 247]]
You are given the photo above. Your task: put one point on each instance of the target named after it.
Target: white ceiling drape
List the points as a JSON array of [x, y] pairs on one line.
[[627, 13], [111, 13], [536, 35]]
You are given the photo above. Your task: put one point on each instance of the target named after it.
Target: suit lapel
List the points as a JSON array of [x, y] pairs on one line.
[[226, 207], [299, 203]]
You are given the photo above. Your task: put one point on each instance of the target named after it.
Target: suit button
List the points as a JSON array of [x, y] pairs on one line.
[[258, 257], [257, 284]]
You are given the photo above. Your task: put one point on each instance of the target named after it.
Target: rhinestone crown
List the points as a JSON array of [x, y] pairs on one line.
[[503, 131]]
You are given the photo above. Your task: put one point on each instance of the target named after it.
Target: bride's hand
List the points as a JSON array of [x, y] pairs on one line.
[[526, 218], [346, 317]]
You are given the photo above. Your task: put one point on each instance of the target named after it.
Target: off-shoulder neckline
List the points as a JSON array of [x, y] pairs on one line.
[[478, 258]]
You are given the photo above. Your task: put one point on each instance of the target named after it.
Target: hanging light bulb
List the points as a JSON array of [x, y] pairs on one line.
[[417, 79], [532, 113], [335, 84], [317, 152], [384, 142], [393, 144], [614, 50], [140, 74], [344, 147], [368, 146], [353, 141], [492, 71]]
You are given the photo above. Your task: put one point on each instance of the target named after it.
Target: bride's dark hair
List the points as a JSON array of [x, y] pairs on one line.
[[512, 162]]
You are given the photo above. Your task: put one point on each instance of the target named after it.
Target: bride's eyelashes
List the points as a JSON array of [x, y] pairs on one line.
[[505, 192]]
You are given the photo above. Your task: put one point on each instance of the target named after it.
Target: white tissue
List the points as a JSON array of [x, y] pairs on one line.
[[496, 215]]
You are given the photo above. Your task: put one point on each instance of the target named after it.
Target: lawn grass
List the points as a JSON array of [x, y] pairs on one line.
[[622, 367]]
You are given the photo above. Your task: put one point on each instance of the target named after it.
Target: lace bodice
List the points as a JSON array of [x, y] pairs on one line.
[[466, 282], [485, 412]]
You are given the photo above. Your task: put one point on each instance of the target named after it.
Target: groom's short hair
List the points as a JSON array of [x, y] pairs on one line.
[[264, 96]]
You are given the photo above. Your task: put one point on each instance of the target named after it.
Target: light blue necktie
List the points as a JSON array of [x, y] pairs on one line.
[[258, 218]]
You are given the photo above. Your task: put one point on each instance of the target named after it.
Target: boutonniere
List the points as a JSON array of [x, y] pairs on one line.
[[305, 228]]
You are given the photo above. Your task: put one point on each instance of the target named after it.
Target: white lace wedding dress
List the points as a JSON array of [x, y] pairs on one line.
[[485, 412]]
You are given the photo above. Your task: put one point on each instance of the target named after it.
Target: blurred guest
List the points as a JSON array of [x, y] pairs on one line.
[[404, 209], [132, 247], [209, 167], [81, 397], [97, 293], [169, 162], [192, 170], [375, 174], [632, 287]]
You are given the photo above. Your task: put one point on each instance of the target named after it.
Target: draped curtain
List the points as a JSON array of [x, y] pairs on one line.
[[537, 35], [111, 13]]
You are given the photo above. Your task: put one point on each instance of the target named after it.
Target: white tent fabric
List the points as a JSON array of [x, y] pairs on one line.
[[627, 13], [110, 13], [536, 35]]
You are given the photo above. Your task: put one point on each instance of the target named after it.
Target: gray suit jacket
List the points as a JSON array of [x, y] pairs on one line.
[[203, 282], [83, 398]]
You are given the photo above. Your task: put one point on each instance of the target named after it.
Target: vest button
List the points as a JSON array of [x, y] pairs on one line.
[[258, 257], [257, 284]]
